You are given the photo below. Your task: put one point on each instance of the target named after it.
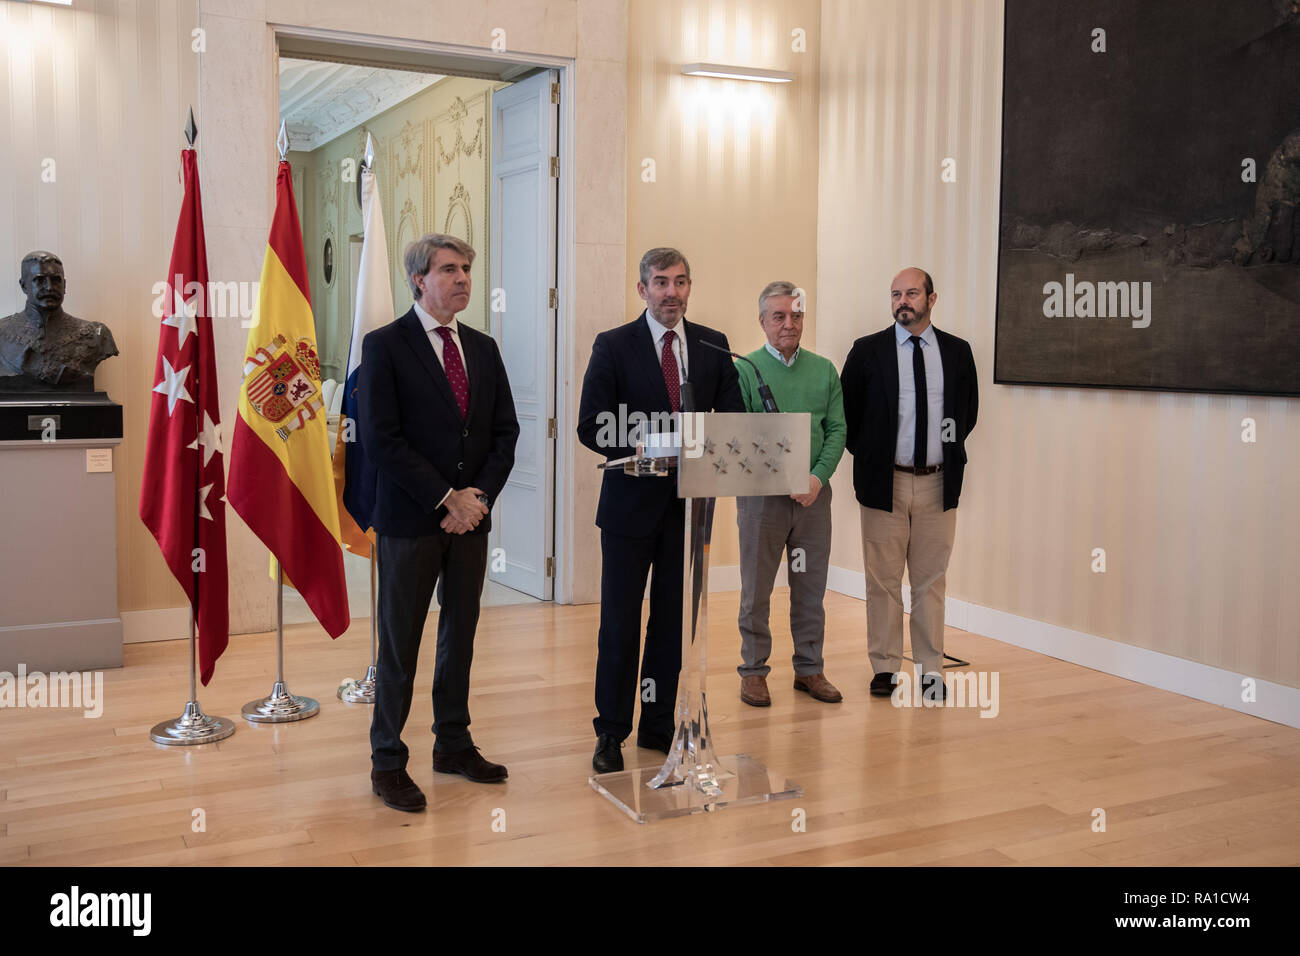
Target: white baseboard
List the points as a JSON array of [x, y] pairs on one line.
[[1275, 702], [727, 578], [158, 624]]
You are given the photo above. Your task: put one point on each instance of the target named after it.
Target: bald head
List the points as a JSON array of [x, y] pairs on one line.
[[911, 298]]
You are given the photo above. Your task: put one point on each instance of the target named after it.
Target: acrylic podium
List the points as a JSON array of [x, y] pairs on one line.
[[710, 455]]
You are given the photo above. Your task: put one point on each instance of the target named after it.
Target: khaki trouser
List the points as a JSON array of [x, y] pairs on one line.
[[918, 533]]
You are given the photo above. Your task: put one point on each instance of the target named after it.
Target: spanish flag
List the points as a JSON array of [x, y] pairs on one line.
[[281, 482]]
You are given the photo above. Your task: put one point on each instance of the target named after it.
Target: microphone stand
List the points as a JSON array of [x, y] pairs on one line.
[[764, 390]]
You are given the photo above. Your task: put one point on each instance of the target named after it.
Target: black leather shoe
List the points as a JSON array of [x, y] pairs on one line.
[[470, 763], [932, 689], [397, 789], [882, 685], [657, 742], [608, 757]]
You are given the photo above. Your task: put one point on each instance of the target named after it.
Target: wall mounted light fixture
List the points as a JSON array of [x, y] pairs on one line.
[[737, 72]]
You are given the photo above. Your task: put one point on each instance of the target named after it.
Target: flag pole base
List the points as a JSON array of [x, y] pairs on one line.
[[192, 727], [280, 707], [359, 691]]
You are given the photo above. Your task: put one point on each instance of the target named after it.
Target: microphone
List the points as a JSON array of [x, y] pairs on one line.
[[764, 391], [686, 391]]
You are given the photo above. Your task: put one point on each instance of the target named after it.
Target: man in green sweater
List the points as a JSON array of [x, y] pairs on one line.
[[798, 524]]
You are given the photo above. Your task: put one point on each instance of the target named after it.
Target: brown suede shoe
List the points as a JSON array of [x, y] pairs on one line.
[[819, 688], [397, 789], [753, 691]]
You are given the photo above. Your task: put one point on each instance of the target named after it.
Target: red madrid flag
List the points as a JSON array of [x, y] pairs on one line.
[[181, 498]]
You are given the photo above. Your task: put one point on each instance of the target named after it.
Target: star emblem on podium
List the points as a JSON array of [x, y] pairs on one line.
[[744, 466], [708, 446], [734, 446], [760, 445], [784, 444], [772, 465], [720, 465]]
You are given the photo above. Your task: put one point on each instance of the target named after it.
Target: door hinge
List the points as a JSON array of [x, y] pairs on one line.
[[554, 299], [552, 428], [555, 166], [555, 92], [550, 567]]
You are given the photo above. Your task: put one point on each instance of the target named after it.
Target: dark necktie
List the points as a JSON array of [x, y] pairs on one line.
[[455, 369], [672, 378], [922, 402]]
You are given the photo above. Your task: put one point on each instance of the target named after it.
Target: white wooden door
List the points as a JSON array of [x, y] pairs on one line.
[[522, 309]]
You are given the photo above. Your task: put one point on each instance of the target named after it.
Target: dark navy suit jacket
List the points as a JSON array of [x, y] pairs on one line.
[[413, 432], [623, 370]]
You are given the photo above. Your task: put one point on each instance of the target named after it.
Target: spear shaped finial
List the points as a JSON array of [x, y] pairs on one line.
[[367, 165], [191, 129], [282, 141]]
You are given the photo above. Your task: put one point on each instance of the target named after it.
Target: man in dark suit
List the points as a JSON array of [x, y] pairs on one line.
[[640, 368], [438, 424], [910, 400]]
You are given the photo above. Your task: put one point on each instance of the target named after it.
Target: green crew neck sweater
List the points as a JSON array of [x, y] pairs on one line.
[[811, 385]]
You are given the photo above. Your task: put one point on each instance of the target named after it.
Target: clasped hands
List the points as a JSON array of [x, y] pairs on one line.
[[464, 511], [814, 489]]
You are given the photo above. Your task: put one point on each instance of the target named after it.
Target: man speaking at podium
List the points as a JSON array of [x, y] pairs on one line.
[[641, 367]]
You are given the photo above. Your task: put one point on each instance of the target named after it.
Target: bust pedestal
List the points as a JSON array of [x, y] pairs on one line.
[[58, 565]]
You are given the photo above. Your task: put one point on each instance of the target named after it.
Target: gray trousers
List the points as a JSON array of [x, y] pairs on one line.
[[770, 525]]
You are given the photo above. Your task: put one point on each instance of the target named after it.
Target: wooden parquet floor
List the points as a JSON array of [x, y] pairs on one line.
[[1181, 782]]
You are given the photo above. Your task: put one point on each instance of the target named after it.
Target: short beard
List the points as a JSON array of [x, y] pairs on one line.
[[657, 316]]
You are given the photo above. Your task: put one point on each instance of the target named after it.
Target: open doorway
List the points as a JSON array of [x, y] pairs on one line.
[[464, 146]]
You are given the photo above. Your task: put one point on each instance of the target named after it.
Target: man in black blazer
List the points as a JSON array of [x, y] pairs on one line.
[[437, 422], [639, 368], [910, 400]]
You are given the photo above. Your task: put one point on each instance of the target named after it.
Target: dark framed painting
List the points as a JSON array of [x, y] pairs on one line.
[[1149, 235]]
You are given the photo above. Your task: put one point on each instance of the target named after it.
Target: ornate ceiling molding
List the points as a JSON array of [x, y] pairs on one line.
[[320, 101]]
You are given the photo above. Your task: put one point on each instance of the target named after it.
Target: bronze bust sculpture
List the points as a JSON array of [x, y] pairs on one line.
[[43, 348]]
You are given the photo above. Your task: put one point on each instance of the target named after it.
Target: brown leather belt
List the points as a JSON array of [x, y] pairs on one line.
[[927, 470]]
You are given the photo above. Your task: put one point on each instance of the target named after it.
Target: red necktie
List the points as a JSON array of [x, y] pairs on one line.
[[455, 370], [671, 376]]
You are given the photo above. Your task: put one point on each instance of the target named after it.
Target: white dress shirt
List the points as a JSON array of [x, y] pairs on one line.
[[430, 325], [906, 443], [679, 344]]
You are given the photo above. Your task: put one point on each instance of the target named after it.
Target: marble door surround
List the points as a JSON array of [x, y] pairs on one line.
[[584, 40]]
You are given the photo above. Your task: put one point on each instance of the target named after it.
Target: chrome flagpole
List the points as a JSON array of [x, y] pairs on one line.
[[363, 691], [280, 706], [193, 726]]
